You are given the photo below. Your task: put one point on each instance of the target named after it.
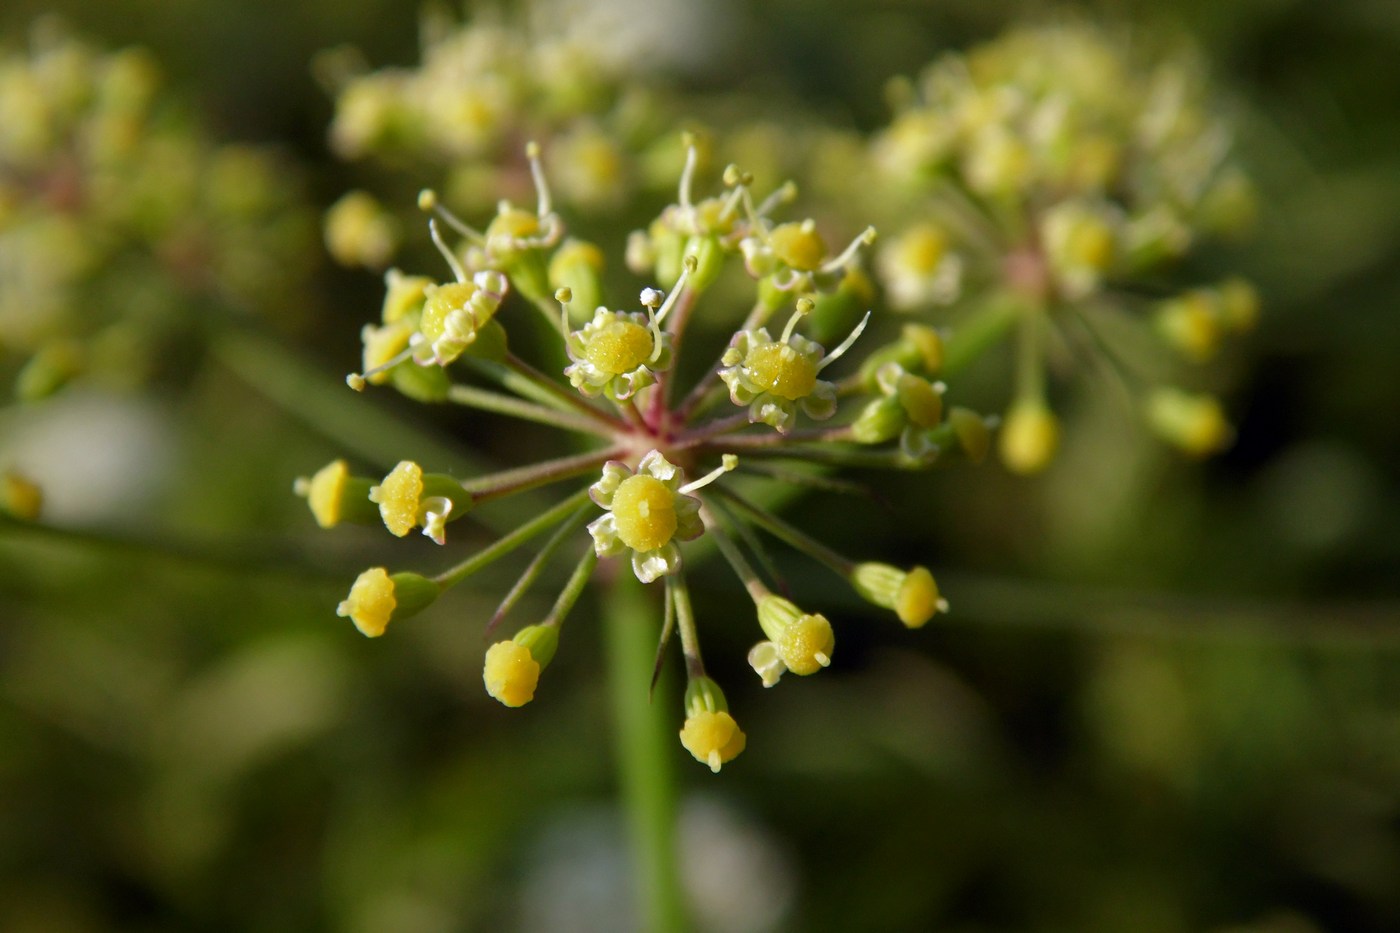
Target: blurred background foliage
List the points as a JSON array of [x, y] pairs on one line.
[[1167, 699]]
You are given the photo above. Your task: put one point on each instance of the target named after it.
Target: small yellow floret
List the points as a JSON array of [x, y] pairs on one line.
[[922, 249], [1194, 423], [511, 673], [780, 369], [798, 246], [398, 497], [324, 493], [513, 224], [442, 302], [1029, 438], [620, 347], [371, 602], [918, 599], [644, 510], [806, 645], [713, 738], [922, 403]]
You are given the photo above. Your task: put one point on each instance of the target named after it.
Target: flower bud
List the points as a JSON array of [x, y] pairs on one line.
[[403, 295], [376, 599], [973, 435], [335, 496], [359, 232], [912, 594], [512, 668], [1194, 423], [880, 421], [578, 266], [710, 733], [803, 641], [1029, 437]]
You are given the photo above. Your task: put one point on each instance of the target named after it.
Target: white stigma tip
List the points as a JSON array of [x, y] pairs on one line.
[[942, 605], [822, 659], [714, 761]]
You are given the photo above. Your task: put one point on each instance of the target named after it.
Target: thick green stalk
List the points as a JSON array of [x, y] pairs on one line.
[[646, 743]]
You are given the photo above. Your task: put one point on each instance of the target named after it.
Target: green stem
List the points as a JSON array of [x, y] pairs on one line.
[[780, 529], [646, 759], [518, 408], [510, 542], [508, 482]]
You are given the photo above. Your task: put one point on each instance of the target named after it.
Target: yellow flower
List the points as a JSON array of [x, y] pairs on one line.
[[912, 594], [1194, 423], [408, 498], [1029, 437], [512, 669], [371, 602], [713, 738], [799, 642], [511, 673]]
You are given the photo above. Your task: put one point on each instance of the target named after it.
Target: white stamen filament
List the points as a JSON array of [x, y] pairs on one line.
[[428, 201], [687, 173], [727, 463], [545, 205], [356, 381], [866, 238], [845, 344], [783, 195], [452, 263]]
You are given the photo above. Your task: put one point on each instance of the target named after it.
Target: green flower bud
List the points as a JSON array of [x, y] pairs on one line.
[[578, 266], [880, 421]]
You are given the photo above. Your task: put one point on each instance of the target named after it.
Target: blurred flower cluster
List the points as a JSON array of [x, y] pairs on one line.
[[122, 227], [481, 89], [1046, 183], [654, 471]]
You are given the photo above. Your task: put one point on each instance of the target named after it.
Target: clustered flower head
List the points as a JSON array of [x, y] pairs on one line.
[[479, 88], [1054, 182], [665, 464], [102, 185]]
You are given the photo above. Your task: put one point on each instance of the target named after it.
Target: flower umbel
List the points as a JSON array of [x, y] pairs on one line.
[[657, 462]]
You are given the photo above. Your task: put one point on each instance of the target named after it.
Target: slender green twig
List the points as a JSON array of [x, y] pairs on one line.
[[537, 525], [508, 482], [535, 568], [794, 536], [528, 411], [645, 741]]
